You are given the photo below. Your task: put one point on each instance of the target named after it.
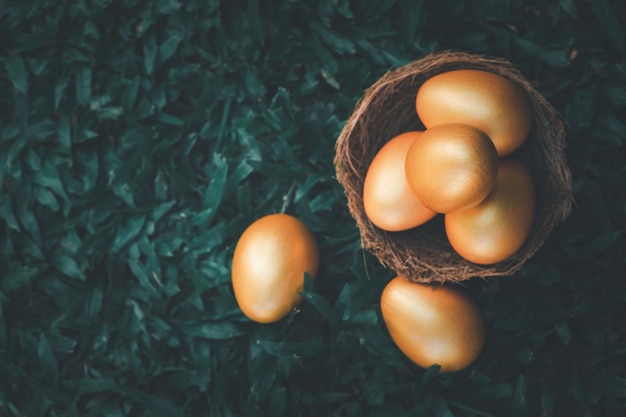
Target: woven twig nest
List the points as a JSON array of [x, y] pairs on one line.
[[387, 109]]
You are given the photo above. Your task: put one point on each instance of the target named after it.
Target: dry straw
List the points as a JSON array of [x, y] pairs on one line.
[[387, 109]]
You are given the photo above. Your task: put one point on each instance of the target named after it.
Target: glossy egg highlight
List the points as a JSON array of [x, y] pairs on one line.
[[498, 227], [433, 324], [485, 100], [452, 166], [268, 266], [388, 200]]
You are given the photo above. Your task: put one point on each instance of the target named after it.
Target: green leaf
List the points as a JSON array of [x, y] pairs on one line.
[[128, 231], [557, 57], [49, 178], [442, 407], [161, 186], [123, 191], [579, 393], [159, 211], [358, 295], [110, 113], [606, 384], [298, 349], [602, 242], [471, 410], [373, 392], [60, 343], [493, 390], [17, 73], [150, 50], [88, 161], [381, 346], [256, 27], [59, 90], [156, 405], [214, 192], [324, 307], [264, 371], [367, 317], [93, 300], [547, 400], [213, 331], [83, 85], [65, 134], [48, 363], [549, 276], [3, 328], [92, 386], [17, 278], [333, 39], [330, 79], [30, 246], [46, 198], [413, 15], [606, 14], [563, 331], [41, 130], [569, 7], [6, 212], [581, 106], [278, 402], [29, 222], [221, 131], [167, 6], [32, 160], [13, 152], [129, 97], [67, 265], [519, 407], [168, 119], [167, 48]]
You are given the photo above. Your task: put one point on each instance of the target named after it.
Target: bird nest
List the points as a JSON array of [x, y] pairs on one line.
[[423, 254]]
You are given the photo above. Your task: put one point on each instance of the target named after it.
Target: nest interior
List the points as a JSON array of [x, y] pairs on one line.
[[387, 109]]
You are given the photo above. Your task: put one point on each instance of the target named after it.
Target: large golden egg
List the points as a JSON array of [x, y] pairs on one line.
[[485, 100], [433, 324], [268, 266], [388, 200], [498, 227], [451, 167]]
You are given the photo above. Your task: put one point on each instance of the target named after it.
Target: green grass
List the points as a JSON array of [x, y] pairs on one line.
[[139, 138]]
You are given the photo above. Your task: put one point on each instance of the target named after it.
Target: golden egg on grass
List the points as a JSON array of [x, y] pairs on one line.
[[452, 166], [497, 227], [433, 324], [483, 99], [388, 200], [269, 264]]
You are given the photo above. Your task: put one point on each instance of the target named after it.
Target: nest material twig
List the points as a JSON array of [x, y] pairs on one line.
[[387, 109]]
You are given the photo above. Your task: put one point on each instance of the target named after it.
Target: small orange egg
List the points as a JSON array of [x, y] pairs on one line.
[[432, 324], [452, 166], [268, 266], [388, 200], [485, 100], [498, 227]]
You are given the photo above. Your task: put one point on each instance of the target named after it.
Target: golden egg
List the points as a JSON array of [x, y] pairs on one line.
[[496, 228], [388, 200], [485, 100], [432, 324], [268, 266], [451, 167]]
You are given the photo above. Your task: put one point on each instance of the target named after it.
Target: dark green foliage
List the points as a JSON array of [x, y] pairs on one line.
[[139, 138]]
